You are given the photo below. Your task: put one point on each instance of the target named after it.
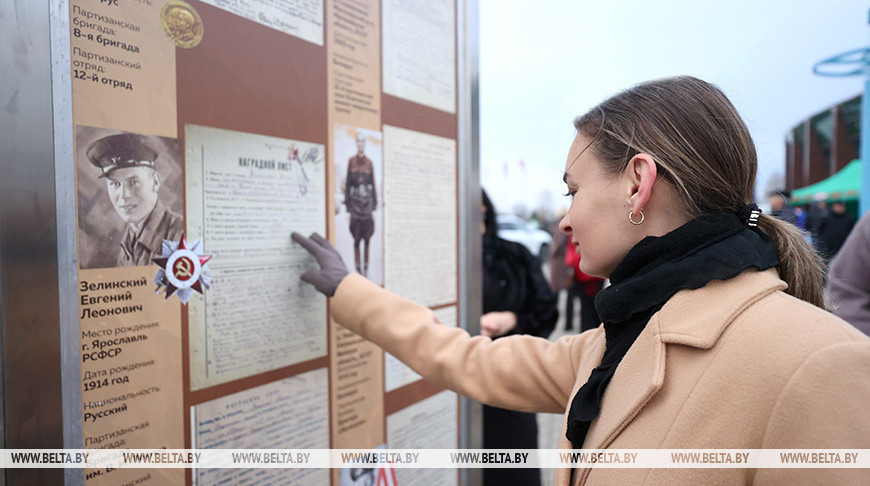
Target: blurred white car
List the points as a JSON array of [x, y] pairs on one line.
[[514, 228]]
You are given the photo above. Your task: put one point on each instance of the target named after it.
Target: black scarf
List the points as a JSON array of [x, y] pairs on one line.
[[714, 246]]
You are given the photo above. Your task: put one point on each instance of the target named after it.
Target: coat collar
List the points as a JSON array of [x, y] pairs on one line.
[[640, 375], [716, 305]]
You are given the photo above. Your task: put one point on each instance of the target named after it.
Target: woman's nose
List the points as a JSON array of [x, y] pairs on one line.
[[565, 225]]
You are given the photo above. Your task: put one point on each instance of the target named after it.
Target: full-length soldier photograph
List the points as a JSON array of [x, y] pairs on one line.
[[361, 200], [359, 218]]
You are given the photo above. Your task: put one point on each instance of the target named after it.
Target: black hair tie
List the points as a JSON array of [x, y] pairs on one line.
[[749, 214]]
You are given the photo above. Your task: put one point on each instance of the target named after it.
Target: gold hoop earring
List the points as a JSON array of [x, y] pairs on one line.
[[631, 219]]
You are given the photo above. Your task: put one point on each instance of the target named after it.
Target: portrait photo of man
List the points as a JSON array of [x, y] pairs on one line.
[[126, 209], [359, 219]]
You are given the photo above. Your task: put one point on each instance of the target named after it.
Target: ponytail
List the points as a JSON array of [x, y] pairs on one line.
[[800, 266]]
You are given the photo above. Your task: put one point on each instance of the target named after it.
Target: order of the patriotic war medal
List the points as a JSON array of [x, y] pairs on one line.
[[182, 23], [183, 269]]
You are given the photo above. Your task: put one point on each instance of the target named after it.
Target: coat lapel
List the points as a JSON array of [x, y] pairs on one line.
[[562, 476], [637, 379]]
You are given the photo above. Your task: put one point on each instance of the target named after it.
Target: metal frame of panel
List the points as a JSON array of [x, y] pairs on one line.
[[67, 259], [40, 403], [470, 218]]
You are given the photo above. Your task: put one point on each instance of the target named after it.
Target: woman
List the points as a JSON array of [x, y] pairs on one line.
[[714, 334], [516, 300]]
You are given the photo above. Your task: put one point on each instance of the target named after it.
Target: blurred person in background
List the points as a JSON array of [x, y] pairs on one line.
[[849, 277], [516, 300], [558, 271], [561, 275], [714, 330], [583, 287], [833, 230], [801, 217], [779, 207], [815, 214]]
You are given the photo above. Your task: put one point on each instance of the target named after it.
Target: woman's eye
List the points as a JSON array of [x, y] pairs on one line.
[[570, 194]]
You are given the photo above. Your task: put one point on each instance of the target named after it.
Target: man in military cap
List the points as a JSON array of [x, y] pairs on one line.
[[128, 164], [361, 200]]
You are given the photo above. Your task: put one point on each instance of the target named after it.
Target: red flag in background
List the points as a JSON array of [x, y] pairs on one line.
[[387, 477]]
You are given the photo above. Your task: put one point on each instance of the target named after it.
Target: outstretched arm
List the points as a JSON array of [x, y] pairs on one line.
[[519, 372]]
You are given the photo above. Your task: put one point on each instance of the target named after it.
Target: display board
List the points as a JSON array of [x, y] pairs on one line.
[[205, 133]]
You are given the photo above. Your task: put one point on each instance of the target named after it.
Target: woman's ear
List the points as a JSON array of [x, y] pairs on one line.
[[641, 176]]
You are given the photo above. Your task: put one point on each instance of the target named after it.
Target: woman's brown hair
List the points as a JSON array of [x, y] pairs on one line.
[[702, 147]]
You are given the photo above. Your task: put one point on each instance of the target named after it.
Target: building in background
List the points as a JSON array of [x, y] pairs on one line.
[[820, 147]]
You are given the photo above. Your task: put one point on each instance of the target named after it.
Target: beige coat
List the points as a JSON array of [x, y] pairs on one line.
[[737, 364]]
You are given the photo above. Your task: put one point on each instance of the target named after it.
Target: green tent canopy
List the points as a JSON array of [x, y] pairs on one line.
[[845, 186]]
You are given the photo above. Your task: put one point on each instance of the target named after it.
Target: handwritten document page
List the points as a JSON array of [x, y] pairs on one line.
[[420, 220], [259, 418], [429, 424], [397, 373], [245, 194], [299, 18], [420, 51]]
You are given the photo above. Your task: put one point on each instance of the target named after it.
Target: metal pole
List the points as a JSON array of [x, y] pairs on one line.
[[864, 198]]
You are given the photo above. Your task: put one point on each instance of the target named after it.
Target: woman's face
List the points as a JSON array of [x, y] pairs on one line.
[[597, 219]]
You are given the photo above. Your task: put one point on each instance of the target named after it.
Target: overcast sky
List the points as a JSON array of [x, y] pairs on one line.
[[544, 62]]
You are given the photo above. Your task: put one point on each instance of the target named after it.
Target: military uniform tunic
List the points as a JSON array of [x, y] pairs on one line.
[[138, 249]]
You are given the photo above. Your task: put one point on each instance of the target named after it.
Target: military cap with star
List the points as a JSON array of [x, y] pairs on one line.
[[121, 151]]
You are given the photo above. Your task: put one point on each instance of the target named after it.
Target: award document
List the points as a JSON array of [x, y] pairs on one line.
[[245, 194]]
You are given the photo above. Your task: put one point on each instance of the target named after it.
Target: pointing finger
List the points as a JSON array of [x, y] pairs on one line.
[[309, 245], [320, 240]]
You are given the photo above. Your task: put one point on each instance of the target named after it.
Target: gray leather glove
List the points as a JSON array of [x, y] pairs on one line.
[[332, 270]]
